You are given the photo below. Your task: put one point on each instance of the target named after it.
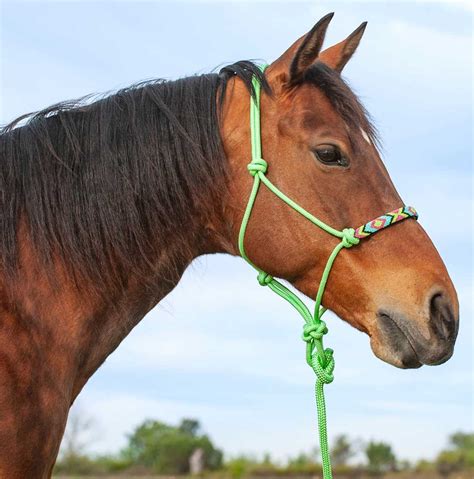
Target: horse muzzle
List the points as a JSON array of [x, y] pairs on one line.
[[410, 342]]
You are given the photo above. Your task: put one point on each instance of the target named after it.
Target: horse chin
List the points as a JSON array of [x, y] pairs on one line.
[[392, 346], [403, 357]]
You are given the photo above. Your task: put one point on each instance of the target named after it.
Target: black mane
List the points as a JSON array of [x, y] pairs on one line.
[[107, 184], [103, 184]]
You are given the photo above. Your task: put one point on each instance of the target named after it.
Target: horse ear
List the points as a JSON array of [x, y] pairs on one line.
[[338, 55], [302, 53], [309, 49]]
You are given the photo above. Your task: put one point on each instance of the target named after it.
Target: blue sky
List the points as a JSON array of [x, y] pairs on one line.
[[413, 72]]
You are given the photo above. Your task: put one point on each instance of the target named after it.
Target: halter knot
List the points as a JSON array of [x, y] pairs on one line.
[[348, 239], [259, 164], [264, 279], [324, 367], [314, 331]]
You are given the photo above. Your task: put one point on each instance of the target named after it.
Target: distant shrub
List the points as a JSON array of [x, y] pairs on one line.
[[380, 457], [166, 449], [238, 467], [73, 464], [459, 456]]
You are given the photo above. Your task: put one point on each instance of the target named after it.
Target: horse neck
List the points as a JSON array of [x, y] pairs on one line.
[[86, 324]]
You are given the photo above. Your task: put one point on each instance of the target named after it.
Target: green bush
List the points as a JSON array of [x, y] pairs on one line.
[[166, 449], [459, 456], [341, 451], [78, 464], [240, 466], [380, 457]]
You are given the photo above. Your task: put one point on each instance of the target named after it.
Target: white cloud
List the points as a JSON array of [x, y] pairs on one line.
[[205, 352], [431, 45]]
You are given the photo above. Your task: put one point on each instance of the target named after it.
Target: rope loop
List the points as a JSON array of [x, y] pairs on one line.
[[348, 238], [264, 279], [258, 164], [314, 331], [324, 367]]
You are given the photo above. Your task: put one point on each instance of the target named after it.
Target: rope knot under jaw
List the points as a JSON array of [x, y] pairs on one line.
[[348, 239], [314, 331], [324, 373], [264, 279], [257, 165]]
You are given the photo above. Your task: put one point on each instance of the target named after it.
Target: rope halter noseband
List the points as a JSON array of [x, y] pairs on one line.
[[321, 360]]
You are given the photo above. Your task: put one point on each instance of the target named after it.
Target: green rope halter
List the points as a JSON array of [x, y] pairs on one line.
[[320, 359]]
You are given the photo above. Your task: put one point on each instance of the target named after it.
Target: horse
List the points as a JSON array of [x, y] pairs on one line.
[[106, 201]]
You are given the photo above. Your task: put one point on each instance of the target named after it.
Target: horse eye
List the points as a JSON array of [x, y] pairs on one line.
[[330, 155]]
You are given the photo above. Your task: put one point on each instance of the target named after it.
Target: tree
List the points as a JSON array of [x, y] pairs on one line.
[[458, 456], [342, 450], [380, 457], [167, 449], [464, 442], [190, 426]]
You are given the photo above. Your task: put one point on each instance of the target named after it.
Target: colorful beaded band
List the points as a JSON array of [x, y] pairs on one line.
[[385, 220]]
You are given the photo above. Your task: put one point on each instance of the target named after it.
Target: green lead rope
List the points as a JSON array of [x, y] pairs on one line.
[[321, 360]]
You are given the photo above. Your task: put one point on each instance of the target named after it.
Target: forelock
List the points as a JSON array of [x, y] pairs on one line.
[[342, 99]]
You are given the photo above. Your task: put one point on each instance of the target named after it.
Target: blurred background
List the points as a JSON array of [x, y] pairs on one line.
[[204, 352]]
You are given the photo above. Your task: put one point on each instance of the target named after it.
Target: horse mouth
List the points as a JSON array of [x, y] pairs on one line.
[[398, 343], [402, 349]]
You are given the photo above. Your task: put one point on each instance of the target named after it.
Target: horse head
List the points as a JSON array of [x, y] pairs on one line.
[[321, 150]]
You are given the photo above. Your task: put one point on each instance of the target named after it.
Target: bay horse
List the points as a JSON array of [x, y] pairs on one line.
[[105, 202]]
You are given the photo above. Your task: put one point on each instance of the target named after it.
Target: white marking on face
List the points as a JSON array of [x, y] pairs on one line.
[[365, 136]]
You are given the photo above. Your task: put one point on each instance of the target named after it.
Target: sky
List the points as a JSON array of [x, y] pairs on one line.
[[229, 352]]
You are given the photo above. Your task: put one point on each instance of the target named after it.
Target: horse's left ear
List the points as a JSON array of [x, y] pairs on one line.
[[309, 49], [291, 65], [338, 55]]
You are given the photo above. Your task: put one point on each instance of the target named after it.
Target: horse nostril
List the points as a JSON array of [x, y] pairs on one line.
[[442, 317]]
